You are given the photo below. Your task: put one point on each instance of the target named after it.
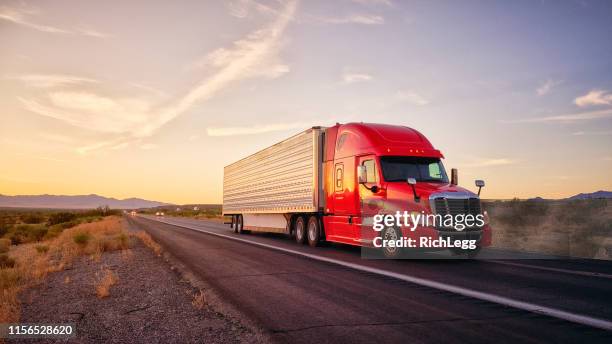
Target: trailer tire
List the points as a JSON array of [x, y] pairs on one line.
[[234, 228], [300, 230], [313, 231], [239, 224]]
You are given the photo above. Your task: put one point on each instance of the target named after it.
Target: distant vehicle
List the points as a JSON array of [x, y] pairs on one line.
[[328, 183], [133, 213], [159, 213]]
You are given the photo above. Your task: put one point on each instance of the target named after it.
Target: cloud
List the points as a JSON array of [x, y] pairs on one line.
[[242, 8], [22, 17], [365, 19], [91, 111], [51, 80], [592, 133], [491, 162], [411, 97], [256, 129], [349, 78], [546, 87], [594, 97], [575, 117], [254, 56], [133, 119]]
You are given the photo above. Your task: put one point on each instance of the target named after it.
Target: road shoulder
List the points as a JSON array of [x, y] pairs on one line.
[[150, 302]]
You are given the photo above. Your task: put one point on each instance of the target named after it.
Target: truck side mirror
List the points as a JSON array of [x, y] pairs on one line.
[[479, 183], [362, 174], [412, 183], [454, 176]]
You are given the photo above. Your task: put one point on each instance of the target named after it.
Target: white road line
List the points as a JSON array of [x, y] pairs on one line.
[[526, 306], [566, 271]]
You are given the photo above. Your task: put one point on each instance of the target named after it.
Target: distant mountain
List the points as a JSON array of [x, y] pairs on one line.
[[596, 194], [75, 202], [537, 199]]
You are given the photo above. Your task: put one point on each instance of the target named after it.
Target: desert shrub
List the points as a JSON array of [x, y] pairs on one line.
[[22, 234], [199, 300], [6, 261], [582, 211], [8, 278], [42, 248], [101, 211], [103, 286], [124, 241], [521, 213], [81, 238], [33, 218], [106, 243], [148, 241], [61, 217], [38, 233], [68, 224], [5, 245]]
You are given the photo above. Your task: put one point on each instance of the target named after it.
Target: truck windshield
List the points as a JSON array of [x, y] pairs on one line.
[[399, 168]]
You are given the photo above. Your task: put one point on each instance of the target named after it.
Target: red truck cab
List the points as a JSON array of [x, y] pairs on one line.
[[389, 155]]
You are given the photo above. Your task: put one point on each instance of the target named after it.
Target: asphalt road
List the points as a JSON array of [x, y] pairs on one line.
[[300, 300]]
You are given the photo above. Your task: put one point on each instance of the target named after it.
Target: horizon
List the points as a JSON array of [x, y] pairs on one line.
[[123, 105], [201, 203]]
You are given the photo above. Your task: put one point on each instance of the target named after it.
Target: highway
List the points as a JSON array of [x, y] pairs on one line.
[[299, 294]]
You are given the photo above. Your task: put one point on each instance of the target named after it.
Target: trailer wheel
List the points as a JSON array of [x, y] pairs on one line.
[[239, 224], [314, 231], [234, 227], [300, 230]]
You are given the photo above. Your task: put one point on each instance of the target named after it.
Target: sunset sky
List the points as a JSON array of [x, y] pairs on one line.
[[152, 98]]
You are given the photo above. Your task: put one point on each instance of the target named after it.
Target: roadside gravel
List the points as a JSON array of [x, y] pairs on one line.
[[150, 303]]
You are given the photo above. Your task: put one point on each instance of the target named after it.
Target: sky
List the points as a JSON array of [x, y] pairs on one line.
[[152, 98]]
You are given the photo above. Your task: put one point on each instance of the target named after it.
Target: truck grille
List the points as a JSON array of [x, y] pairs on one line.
[[456, 206]]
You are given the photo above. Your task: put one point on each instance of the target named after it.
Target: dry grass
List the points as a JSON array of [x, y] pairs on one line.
[[103, 286], [33, 263], [148, 241], [565, 228], [199, 300], [5, 245]]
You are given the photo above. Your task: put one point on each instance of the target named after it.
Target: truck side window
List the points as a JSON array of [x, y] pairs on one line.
[[339, 176], [434, 171], [341, 141], [370, 170]]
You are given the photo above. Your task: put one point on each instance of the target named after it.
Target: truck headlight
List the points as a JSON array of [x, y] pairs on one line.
[[485, 216]]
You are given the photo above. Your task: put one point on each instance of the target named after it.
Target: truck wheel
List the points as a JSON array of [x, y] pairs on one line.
[[234, 227], [314, 231], [239, 224], [300, 230], [391, 233]]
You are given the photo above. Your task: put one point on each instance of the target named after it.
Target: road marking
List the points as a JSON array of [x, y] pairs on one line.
[[567, 271], [526, 306]]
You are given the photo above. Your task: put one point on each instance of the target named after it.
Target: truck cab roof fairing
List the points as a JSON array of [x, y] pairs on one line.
[[382, 139]]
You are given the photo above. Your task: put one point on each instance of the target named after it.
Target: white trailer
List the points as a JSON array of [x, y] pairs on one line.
[[261, 191]]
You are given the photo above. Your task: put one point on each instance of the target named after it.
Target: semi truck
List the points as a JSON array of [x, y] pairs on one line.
[[328, 183]]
